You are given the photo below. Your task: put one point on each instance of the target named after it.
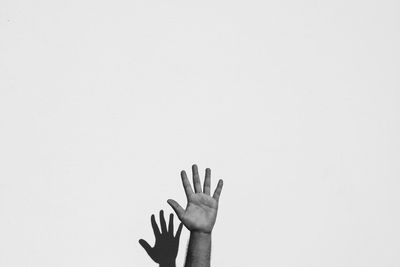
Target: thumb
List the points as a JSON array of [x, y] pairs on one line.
[[177, 208], [145, 245]]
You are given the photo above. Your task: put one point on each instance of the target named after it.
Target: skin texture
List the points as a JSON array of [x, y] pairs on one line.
[[199, 216], [166, 246]]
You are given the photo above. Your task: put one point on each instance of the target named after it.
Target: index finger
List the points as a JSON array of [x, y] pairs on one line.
[[186, 184]]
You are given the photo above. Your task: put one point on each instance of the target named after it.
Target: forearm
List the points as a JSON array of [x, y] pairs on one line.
[[199, 250]]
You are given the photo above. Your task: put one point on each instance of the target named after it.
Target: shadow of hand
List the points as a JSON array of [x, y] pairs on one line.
[[166, 246]]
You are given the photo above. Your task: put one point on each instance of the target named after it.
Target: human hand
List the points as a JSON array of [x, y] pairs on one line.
[[166, 246], [201, 209]]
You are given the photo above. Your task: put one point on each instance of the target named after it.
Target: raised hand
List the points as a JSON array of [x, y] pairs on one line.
[[201, 210], [166, 246]]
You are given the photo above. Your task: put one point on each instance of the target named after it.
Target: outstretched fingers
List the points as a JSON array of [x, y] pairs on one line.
[[155, 226], [178, 233], [162, 222], [171, 224], [218, 190], [177, 208], [186, 184], [196, 179], [207, 182]]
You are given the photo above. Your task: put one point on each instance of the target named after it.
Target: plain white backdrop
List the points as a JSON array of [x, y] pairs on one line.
[[295, 104]]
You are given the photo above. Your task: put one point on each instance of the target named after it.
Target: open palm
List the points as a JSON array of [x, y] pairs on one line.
[[201, 210]]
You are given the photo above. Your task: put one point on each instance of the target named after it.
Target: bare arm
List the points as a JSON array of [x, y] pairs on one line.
[[199, 250], [199, 216]]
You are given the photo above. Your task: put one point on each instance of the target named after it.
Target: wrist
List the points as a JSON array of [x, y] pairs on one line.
[[167, 264], [200, 233]]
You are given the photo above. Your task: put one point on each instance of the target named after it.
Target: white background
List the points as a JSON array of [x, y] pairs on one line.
[[295, 104]]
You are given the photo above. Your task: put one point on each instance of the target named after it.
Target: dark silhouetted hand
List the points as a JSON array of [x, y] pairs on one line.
[[166, 246]]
